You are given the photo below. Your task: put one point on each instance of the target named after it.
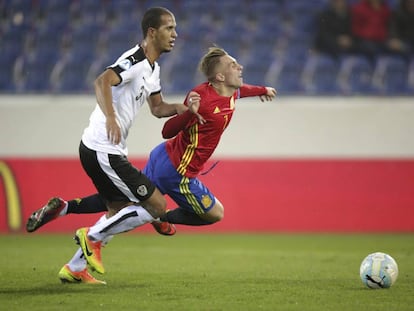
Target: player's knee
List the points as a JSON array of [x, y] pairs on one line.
[[216, 218], [155, 205], [218, 212], [156, 210], [160, 209]]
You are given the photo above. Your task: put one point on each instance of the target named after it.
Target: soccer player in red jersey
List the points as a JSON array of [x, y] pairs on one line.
[[193, 136]]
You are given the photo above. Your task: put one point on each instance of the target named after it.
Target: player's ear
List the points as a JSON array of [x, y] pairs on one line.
[[151, 32], [219, 77]]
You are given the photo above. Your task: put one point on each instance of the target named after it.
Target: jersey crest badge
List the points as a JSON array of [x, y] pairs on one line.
[[206, 201], [142, 190], [125, 64]]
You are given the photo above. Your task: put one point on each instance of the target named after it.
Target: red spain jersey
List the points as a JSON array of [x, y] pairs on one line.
[[195, 143]]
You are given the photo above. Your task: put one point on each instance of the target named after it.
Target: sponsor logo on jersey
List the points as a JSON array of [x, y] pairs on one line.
[[138, 97]]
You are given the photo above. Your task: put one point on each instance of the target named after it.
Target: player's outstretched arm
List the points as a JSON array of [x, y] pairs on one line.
[[161, 109], [265, 92]]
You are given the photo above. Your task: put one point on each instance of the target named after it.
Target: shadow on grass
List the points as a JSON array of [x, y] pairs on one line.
[[327, 284], [60, 288]]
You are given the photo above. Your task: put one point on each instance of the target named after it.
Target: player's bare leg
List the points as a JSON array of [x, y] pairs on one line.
[[216, 213]]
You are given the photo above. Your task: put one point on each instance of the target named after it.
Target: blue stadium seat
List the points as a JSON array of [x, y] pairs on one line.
[[231, 44], [73, 78], [285, 75], [256, 63], [6, 76], [118, 41], [183, 75], [262, 53], [56, 5], [320, 75], [90, 6], [9, 51], [37, 78], [57, 21], [193, 50], [196, 7], [229, 10], [391, 75], [355, 75], [254, 74], [304, 6], [16, 6], [83, 41], [304, 26], [171, 5], [270, 7], [298, 49], [123, 7], [47, 36]]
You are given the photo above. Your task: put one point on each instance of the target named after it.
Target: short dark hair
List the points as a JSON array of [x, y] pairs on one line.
[[152, 18]]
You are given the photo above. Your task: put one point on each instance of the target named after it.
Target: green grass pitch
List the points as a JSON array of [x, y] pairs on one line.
[[207, 272]]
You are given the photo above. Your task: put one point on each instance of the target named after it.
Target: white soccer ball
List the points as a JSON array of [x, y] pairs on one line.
[[378, 270]]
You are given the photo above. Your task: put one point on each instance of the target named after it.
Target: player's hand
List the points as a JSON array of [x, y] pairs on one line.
[[193, 103], [113, 130], [270, 94], [193, 100]]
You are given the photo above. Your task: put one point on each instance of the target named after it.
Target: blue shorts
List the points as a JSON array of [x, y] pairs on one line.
[[188, 193]]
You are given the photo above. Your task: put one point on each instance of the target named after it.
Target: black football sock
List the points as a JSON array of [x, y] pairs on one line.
[[87, 205], [181, 216]]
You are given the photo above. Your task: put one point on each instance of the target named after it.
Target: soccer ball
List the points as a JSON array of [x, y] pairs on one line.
[[378, 270]]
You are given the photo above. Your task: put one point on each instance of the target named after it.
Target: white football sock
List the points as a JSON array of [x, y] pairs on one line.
[[126, 219], [78, 261]]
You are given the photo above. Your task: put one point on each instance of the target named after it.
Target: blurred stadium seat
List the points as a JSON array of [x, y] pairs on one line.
[[391, 75], [7, 59], [320, 74], [272, 39], [286, 73], [355, 75]]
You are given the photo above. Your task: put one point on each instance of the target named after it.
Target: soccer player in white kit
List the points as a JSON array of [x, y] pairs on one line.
[[121, 90]]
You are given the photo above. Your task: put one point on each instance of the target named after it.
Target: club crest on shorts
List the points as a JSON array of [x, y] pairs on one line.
[[142, 190], [206, 201]]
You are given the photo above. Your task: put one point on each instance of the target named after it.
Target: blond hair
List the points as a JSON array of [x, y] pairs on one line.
[[210, 60]]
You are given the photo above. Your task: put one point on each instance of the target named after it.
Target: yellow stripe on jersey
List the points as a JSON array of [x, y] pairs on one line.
[[232, 103], [189, 150], [185, 189]]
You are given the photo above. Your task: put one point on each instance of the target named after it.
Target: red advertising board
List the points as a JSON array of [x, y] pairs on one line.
[[266, 195]]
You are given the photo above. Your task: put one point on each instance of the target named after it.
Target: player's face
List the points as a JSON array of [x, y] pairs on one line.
[[166, 34], [232, 72]]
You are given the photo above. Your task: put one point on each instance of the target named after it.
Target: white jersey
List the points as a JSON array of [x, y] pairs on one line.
[[139, 79]]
